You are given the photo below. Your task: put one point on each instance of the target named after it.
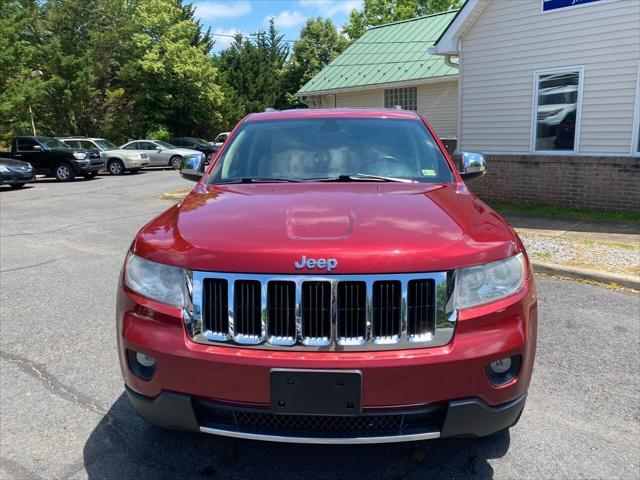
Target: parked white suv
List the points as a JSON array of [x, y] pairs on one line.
[[160, 153], [116, 160]]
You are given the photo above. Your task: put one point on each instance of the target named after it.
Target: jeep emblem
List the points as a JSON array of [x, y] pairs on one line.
[[321, 263]]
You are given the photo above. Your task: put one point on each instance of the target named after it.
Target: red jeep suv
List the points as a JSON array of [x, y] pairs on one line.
[[330, 279]]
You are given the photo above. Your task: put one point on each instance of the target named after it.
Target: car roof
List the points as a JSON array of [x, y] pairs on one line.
[[333, 113]]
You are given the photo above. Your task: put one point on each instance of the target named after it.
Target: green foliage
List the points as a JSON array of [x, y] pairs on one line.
[[318, 45], [114, 68], [378, 12]]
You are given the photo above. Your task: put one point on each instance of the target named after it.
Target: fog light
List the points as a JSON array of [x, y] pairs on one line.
[[504, 370], [147, 361], [499, 366], [141, 365]]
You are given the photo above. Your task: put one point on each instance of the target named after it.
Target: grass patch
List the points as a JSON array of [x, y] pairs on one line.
[[581, 213]]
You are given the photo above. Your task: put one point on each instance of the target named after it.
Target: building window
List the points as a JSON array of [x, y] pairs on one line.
[[558, 100], [407, 98]]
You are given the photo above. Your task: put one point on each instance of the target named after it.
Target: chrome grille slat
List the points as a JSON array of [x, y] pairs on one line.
[[320, 312]]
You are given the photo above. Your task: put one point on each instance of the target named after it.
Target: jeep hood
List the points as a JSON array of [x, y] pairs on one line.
[[368, 227]]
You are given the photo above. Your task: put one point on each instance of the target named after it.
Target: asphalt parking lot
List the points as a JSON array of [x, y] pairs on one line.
[[64, 415]]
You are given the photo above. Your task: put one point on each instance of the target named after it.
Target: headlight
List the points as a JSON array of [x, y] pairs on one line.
[[4, 169], [79, 155], [133, 156], [489, 282], [156, 281]]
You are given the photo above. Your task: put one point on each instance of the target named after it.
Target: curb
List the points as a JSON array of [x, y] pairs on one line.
[[587, 274]]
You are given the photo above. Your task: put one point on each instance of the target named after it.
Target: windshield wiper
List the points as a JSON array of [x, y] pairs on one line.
[[359, 177], [260, 180]]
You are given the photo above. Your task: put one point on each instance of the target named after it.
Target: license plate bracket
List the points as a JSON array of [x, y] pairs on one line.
[[316, 392]]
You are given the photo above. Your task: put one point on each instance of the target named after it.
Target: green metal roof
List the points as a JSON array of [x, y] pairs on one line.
[[395, 52]]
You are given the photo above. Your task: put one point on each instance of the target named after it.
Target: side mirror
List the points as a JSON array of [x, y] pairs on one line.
[[192, 167], [471, 164], [38, 148]]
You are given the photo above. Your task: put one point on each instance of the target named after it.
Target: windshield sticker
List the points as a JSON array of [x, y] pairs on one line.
[[429, 173]]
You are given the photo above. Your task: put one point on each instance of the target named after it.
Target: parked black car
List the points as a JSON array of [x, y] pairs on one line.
[[194, 144], [15, 173], [51, 157]]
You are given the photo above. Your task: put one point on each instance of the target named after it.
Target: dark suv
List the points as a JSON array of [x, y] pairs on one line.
[[51, 157], [194, 144]]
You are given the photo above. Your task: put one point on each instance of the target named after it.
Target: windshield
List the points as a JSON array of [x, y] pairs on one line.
[[51, 143], [164, 144], [201, 142], [105, 144], [332, 148]]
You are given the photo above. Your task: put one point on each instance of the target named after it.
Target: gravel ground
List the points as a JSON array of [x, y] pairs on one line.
[[610, 257]]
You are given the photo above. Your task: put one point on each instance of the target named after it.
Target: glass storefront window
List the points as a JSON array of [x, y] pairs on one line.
[[557, 108]]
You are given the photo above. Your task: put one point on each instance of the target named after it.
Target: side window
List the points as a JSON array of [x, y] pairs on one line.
[[176, 142], [87, 145], [147, 146], [26, 144], [407, 98], [71, 143], [556, 121], [132, 146]]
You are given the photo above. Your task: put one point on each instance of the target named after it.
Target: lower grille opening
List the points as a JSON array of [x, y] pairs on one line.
[[367, 425]]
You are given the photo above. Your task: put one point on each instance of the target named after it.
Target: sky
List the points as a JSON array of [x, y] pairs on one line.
[[227, 17]]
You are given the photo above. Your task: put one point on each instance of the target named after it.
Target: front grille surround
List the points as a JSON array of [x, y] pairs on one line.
[[440, 325]]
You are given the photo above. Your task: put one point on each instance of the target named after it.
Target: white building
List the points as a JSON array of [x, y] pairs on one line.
[[550, 91]]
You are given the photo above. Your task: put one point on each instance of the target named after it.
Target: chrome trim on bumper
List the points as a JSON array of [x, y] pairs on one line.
[[323, 440], [445, 315]]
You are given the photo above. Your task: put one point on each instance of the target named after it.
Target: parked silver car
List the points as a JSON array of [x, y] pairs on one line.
[[160, 153], [117, 161]]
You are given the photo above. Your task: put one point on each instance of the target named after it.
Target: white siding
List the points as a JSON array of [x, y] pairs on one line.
[[438, 102], [512, 39], [362, 98]]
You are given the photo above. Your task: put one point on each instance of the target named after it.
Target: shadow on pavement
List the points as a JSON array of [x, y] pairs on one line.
[[124, 446]]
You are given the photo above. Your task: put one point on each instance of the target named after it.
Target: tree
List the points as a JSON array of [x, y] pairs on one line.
[[378, 12], [252, 73], [318, 45], [18, 90], [171, 78]]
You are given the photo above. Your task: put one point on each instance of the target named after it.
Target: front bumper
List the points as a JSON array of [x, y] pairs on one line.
[[13, 178], [462, 418], [450, 378], [93, 167]]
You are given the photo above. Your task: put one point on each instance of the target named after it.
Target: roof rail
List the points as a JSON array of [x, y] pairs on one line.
[[270, 109]]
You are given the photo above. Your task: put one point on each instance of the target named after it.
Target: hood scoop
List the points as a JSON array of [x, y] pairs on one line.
[[319, 223]]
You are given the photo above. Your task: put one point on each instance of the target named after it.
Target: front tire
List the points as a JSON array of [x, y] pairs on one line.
[[15, 186], [115, 167], [64, 172], [175, 162], [90, 175]]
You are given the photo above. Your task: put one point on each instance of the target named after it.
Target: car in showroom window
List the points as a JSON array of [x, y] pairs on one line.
[[558, 97]]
